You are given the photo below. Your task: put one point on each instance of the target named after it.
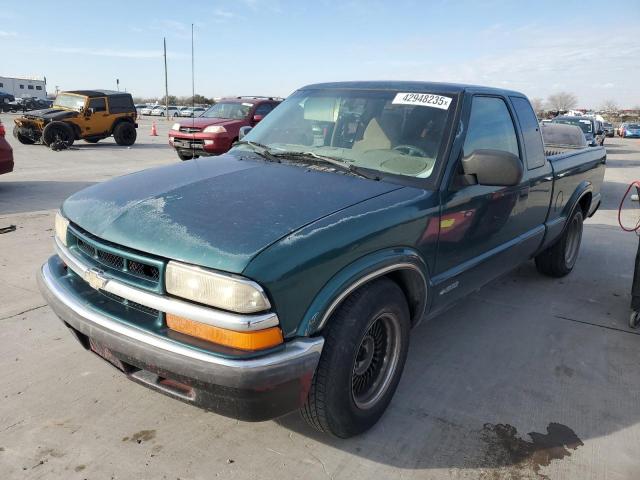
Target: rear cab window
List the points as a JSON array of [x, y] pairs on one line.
[[533, 147]]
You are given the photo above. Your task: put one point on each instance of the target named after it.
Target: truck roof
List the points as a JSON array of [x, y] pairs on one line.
[[413, 86], [96, 93]]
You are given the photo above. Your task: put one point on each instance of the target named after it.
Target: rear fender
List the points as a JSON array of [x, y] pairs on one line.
[[403, 265]]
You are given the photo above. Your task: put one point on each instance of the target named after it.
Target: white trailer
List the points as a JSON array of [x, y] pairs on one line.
[[24, 87]]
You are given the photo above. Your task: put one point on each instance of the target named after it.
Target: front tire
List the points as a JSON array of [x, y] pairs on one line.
[[185, 155], [365, 349], [558, 260], [58, 135], [125, 134]]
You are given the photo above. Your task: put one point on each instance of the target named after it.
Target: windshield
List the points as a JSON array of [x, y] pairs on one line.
[[585, 125], [400, 133], [66, 100], [633, 125], [230, 110]]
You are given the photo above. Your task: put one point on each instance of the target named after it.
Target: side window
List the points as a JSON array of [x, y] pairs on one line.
[[530, 132], [490, 127], [98, 104], [263, 109]]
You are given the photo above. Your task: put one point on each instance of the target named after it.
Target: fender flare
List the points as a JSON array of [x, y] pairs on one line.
[[118, 121], [585, 188], [404, 265]]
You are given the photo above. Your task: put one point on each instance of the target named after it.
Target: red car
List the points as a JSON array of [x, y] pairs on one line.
[[6, 153], [218, 128]]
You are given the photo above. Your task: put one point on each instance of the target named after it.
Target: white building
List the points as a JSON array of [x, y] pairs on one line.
[[24, 87]]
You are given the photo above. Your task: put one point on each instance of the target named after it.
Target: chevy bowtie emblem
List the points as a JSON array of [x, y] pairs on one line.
[[95, 277]]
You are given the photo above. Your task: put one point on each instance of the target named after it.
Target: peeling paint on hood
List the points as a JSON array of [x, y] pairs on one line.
[[216, 212]]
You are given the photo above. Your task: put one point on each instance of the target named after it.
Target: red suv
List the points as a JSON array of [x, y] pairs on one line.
[[218, 128], [6, 153]]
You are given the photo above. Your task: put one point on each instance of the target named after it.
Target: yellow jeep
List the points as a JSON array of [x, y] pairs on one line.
[[90, 115]]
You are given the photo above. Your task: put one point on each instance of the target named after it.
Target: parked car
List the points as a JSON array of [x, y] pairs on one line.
[[192, 111], [6, 100], [289, 272], [147, 110], [91, 115], [591, 128], [6, 152], [630, 130], [161, 111], [216, 129], [609, 131]]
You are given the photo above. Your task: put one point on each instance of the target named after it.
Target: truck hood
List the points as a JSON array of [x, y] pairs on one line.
[[215, 212], [51, 114]]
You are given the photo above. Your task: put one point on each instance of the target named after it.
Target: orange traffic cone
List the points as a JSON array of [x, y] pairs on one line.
[[154, 130]]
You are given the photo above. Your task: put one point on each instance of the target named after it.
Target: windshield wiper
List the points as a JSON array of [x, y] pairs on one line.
[[261, 149], [340, 164]]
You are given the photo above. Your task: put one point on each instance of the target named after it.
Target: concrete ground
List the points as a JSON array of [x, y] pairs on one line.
[[530, 378]]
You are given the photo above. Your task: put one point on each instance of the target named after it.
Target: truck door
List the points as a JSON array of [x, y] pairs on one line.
[[100, 120], [484, 230]]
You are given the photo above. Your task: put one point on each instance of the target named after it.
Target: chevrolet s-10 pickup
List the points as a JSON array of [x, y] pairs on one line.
[[289, 272]]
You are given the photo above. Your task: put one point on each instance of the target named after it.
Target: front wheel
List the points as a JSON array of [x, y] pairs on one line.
[[558, 260], [365, 349], [57, 135], [185, 155]]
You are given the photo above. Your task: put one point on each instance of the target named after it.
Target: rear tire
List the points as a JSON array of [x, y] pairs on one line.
[[125, 134], [58, 135], [559, 259], [22, 138], [366, 344]]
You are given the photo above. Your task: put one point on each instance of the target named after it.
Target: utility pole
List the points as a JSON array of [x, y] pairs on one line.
[[118, 84], [166, 81]]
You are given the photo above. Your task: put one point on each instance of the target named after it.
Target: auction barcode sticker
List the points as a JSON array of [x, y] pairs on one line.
[[424, 99]]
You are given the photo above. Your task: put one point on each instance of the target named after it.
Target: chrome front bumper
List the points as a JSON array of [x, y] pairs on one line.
[[250, 389]]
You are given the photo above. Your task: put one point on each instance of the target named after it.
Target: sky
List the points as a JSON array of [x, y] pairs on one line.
[[272, 47]]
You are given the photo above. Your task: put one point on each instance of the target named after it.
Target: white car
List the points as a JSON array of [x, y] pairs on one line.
[[161, 111], [192, 112], [147, 110]]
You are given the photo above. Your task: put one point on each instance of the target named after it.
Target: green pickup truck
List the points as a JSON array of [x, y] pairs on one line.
[[288, 273]]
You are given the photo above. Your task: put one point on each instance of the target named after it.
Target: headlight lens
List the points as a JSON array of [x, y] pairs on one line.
[[61, 225], [175, 126], [215, 289], [215, 129]]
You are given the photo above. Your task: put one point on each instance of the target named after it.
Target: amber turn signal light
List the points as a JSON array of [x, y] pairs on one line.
[[254, 340]]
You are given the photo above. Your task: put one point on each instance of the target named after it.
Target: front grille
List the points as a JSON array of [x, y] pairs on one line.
[[143, 270], [190, 129], [149, 311], [132, 268]]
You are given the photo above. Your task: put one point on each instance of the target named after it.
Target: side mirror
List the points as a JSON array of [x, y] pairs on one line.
[[243, 131], [89, 111], [257, 118], [493, 167]]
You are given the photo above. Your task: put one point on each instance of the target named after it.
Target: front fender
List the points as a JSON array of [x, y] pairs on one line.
[[403, 263]]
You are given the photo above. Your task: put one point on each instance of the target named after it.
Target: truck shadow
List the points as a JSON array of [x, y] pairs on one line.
[[29, 196], [518, 375]]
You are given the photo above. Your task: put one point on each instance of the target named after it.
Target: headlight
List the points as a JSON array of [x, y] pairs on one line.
[[215, 129], [61, 225], [222, 291], [175, 126]]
